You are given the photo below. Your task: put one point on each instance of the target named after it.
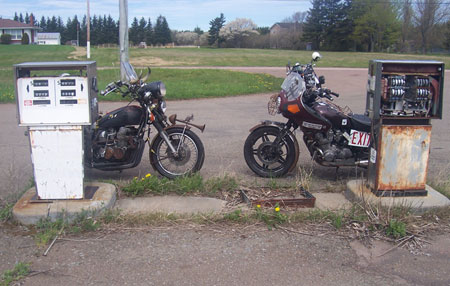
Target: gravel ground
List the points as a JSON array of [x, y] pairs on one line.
[[222, 256]]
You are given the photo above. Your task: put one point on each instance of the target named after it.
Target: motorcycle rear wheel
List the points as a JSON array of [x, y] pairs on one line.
[[266, 159], [189, 158]]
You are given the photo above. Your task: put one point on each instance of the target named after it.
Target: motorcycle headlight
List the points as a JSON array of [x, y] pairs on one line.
[[278, 103], [158, 89], [163, 106]]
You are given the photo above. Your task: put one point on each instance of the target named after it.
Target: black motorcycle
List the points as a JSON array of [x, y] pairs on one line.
[[117, 139]]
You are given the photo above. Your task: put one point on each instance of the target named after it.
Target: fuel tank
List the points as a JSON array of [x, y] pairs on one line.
[[127, 115], [337, 118]]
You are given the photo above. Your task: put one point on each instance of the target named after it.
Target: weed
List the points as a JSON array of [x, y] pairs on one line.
[[235, 216], [20, 271], [337, 220], [271, 217], [304, 177], [396, 229], [47, 229], [180, 186], [6, 212]]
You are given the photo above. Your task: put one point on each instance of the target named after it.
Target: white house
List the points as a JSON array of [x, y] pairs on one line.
[[48, 38], [17, 30]]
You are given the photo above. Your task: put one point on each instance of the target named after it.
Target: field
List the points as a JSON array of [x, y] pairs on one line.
[[188, 83]]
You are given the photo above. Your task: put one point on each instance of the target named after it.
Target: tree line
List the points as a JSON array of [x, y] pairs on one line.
[[342, 25], [103, 29]]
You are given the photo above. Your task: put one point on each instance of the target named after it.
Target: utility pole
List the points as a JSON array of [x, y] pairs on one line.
[[88, 38], [123, 36]]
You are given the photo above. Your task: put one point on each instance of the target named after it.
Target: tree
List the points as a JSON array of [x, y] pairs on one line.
[[214, 29], [429, 13], [27, 18], [162, 31], [149, 34], [25, 39], [297, 17], [21, 20], [235, 31], [5, 39], [16, 18], [198, 31], [377, 27], [133, 33], [447, 36], [407, 24], [43, 23]]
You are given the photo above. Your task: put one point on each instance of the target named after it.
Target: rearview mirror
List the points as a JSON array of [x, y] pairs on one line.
[[316, 56]]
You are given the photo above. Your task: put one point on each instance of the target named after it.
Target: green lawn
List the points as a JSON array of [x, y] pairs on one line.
[[181, 84], [108, 57], [188, 83]]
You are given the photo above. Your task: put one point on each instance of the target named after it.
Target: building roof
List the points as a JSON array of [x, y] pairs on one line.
[[48, 36], [10, 24], [287, 25]]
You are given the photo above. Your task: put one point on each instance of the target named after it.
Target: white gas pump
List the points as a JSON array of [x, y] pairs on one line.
[[55, 100]]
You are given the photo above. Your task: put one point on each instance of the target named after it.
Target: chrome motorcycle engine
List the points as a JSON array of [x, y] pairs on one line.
[[114, 144], [332, 146]]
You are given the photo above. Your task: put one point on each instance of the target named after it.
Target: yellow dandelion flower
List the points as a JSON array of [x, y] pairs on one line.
[[135, 178], [258, 206], [142, 179], [277, 209], [148, 175]]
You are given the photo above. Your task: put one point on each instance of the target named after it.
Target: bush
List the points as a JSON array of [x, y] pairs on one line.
[[5, 39], [25, 39]]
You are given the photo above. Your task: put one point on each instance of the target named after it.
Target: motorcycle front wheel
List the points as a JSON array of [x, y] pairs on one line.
[[264, 157], [188, 158]]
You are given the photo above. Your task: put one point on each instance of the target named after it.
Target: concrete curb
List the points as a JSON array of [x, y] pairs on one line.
[[27, 212]]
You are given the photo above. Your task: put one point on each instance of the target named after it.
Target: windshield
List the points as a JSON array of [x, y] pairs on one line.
[[293, 85], [130, 73]]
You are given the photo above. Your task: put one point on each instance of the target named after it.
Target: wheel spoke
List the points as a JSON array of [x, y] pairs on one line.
[[265, 138]]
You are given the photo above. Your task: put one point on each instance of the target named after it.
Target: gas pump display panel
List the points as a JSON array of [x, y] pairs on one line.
[[53, 100]]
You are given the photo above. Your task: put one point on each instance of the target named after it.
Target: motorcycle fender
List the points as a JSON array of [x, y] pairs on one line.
[[280, 125]]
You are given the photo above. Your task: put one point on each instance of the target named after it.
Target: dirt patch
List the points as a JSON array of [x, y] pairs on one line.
[[155, 61], [79, 53]]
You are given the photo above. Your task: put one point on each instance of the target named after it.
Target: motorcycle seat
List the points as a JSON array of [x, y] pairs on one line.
[[361, 122]]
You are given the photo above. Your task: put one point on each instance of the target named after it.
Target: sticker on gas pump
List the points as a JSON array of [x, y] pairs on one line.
[[373, 155], [27, 103], [359, 139]]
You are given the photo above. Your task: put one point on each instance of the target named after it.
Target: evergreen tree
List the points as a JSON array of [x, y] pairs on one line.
[[27, 18], [21, 18], [43, 24], [162, 31], [133, 32], [215, 25], [141, 30], [16, 18], [149, 34]]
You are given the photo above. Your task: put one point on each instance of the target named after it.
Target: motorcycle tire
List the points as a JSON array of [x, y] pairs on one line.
[[170, 166], [263, 158]]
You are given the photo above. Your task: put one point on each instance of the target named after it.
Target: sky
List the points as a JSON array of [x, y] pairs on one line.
[[180, 14]]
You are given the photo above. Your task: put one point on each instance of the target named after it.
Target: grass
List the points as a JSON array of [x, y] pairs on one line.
[[20, 271], [109, 57], [47, 230], [186, 185], [180, 84]]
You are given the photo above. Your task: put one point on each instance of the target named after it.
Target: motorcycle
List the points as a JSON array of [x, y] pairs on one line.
[[334, 136], [117, 139]]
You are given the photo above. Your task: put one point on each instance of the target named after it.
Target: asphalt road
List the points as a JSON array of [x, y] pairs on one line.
[[228, 121], [222, 254]]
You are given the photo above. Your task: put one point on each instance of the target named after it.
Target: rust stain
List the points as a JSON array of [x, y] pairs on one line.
[[403, 157]]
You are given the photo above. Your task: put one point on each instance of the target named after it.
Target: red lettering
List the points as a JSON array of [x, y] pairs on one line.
[[360, 138], [354, 137]]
